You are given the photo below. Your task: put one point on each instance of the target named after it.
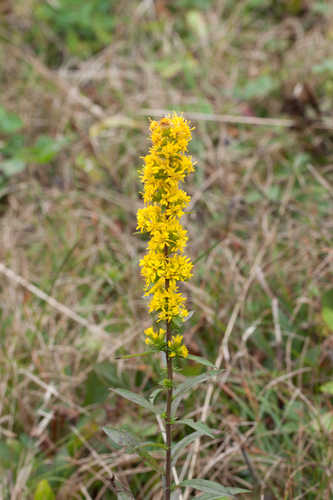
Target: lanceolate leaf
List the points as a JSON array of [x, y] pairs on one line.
[[154, 395], [121, 439], [212, 488], [148, 458], [202, 361], [108, 371], [209, 496], [44, 491], [122, 492], [189, 383], [328, 388], [124, 496], [193, 381], [178, 447], [137, 399], [198, 426], [124, 439]]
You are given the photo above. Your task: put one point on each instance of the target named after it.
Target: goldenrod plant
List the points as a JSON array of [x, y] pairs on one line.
[[164, 267]]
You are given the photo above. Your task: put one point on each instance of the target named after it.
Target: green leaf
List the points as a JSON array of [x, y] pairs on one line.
[[323, 422], [154, 395], [193, 381], [87, 429], [178, 447], [96, 389], [121, 439], [212, 487], [124, 496], [85, 27], [12, 166], [44, 491], [325, 67], [109, 372], [274, 193], [198, 426], [209, 496], [202, 361], [177, 324], [189, 383], [122, 492], [45, 149], [327, 308], [258, 87], [9, 122], [197, 24], [6, 455], [137, 399], [148, 458], [328, 387], [167, 68]]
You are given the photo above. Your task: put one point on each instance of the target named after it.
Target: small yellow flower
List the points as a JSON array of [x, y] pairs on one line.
[[176, 348], [155, 339], [183, 351]]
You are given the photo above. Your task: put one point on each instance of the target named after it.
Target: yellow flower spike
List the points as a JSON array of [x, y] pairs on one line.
[[164, 265], [165, 168]]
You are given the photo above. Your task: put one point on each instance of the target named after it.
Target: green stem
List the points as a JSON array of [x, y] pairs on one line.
[[168, 425], [130, 356]]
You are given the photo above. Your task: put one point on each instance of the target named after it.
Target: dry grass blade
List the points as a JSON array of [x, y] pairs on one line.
[[12, 276]]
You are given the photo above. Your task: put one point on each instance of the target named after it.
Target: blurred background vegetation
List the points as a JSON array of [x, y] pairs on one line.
[[78, 81]]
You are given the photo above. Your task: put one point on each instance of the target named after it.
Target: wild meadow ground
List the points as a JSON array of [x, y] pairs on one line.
[[78, 82]]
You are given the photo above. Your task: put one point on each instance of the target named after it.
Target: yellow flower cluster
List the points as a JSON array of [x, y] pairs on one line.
[[156, 339], [165, 167], [176, 348]]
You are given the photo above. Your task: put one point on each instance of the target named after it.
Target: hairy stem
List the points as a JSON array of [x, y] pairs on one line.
[[168, 425]]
